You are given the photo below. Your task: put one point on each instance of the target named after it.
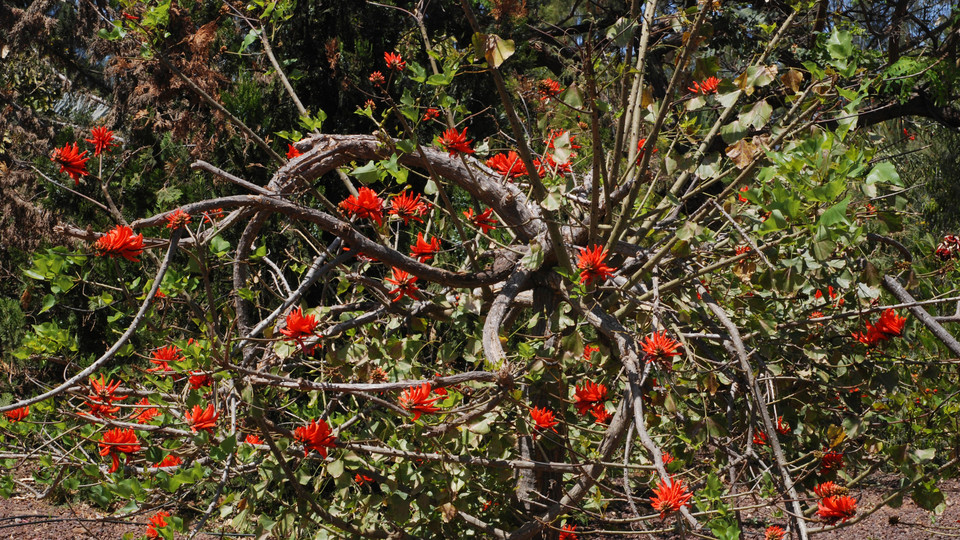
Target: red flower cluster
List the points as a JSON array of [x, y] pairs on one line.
[[888, 325], [783, 428], [455, 142], [423, 250], [707, 86], [588, 351], [292, 152], [829, 489], [394, 61], [483, 221], [908, 135], [431, 114], [407, 207], [162, 356], [202, 419], [365, 204], [669, 498], [642, 150], [120, 242], [71, 161], [567, 532], [759, 438], [404, 285], [298, 326], [377, 78], [543, 418], [169, 460], [211, 215], [949, 248], [659, 348], [17, 415], [548, 89], [199, 379], [157, 521], [590, 398], [148, 413], [118, 441], [592, 266], [101, 401], [315, 436], [417, 400], [102, 140], [252, 439], [177, 219], [774, 532], [834, 509], [509, 165], [831, 461]]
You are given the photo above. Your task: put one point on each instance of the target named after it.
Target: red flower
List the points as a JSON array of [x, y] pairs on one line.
[[157, 521], [147, 414], [669, 498], [71, 161], [831, 461], [198, 380], [431, 114], [548, 89], [405, 285], [508, 164], [177, 219], [394, 61], [169, 460], [362, 479], [592, 266], [102, 139], [120, 242], [590, 396], [216, 213], [365, 204], [550, 165], [483, 221], [556, 133], [774, 533], [298, 326], [407, 207], [202, 419], [417, 400], [101, 401], [315, 436], [292, 151], [566, 533], [454, 142], [659, 348], [252, 439], [759, 438], [377, 78], [707, 86], [815, 315], [543, 418], [890, 324], [600, 413], [829, 489], [130, 17], [163, 355], [908, 135], [783, 428], [423, 250], [117, 441], [833, 509], [642, 150], [741, 198], [17, 415], [667, 459], [588, 351], [742, 249]]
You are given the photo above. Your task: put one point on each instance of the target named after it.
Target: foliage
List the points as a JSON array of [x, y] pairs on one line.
[[703, 223]]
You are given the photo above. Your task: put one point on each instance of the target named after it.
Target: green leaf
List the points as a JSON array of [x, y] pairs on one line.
[[835, 214], [48, 302], [840, 46], [335, 468], [621, 32], [366, 173], [884, 173], [248, 40]]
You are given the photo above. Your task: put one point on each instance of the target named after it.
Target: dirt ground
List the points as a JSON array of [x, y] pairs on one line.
[[30, 519]]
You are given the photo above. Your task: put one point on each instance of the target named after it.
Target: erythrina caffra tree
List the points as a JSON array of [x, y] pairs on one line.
[[533, 266]]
